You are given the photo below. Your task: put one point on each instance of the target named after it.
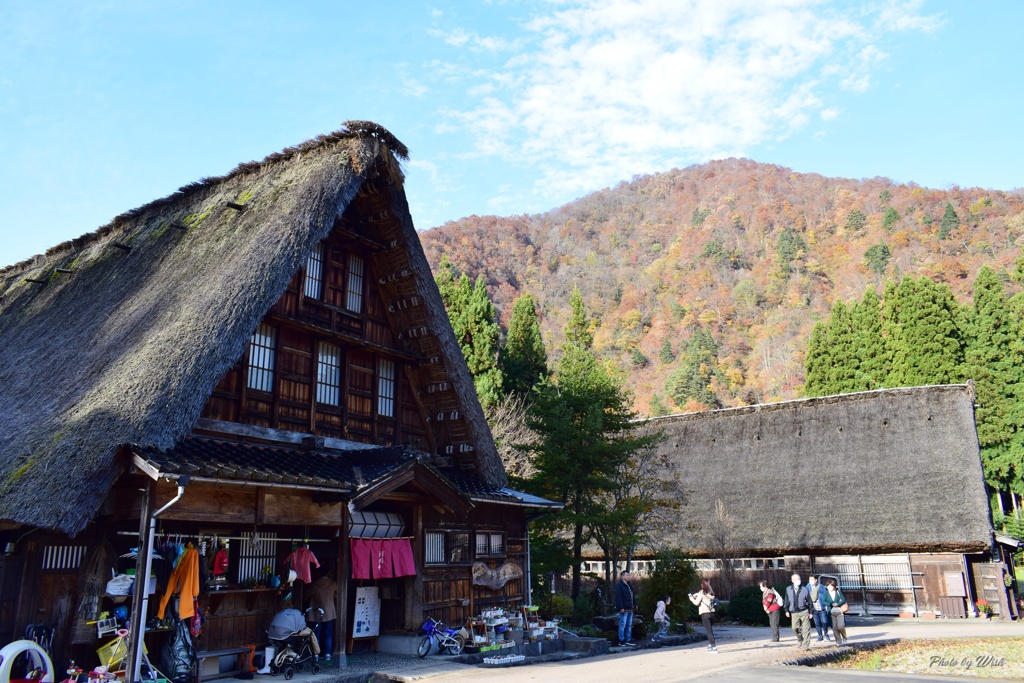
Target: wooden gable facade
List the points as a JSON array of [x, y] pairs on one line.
[[325, 359]]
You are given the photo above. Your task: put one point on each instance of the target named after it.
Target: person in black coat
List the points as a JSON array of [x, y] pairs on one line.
[[625, 602], [798, 608]]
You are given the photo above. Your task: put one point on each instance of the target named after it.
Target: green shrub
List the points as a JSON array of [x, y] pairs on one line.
[[674, 576], [583, 609], [561, 606], [745, 607]]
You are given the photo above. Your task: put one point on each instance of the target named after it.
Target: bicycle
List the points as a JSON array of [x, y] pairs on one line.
[[448, 638]]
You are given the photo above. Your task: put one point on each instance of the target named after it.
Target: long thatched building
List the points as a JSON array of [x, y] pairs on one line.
[[260, 360], [883, 489]]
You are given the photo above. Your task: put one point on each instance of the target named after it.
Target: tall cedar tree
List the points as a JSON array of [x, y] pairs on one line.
[[923, 336], [523, 359], [474, 320], [817, 362], [873, 368], [584, 421], [993, 360], [845, 362]]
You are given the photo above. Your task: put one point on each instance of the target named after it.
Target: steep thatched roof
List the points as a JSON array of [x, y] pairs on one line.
[[878, 471], [119, 337]]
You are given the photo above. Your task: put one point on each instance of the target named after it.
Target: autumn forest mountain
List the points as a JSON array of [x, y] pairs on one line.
[[704, 283]]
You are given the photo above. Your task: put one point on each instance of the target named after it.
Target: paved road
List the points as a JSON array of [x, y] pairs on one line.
[[742, 658]]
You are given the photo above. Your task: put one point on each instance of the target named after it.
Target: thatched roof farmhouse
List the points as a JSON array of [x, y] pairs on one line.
[[893, 470], [256, 363], [119, 337], [882, 489]]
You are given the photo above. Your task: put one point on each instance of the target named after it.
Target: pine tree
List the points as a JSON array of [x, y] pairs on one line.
[[524, 360], [855, 221], [692, 379], [577, 329], [890, 218], [657, 406], [666, 355], [950, 222], [842, 351], [474, 321], [877, 258], [585, 424], [817, 362], [926, 344], [479, 341], [873, 368], [993, 360]]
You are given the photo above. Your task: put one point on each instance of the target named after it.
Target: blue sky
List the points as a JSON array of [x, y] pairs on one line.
[[507, 107]]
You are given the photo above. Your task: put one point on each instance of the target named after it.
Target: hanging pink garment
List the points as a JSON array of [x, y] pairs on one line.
[[300, 559], [382, 559], [362, 552], [401, 555]]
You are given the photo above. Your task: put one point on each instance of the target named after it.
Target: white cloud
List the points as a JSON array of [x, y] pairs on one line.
[[602, 88]]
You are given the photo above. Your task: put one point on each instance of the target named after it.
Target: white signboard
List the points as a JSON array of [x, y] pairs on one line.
[[366, 622]]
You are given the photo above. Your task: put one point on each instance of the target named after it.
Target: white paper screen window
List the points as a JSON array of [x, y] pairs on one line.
[[328, 374], [434, 547], [261, 358], [354, 301], [315, 273], [386, 388]]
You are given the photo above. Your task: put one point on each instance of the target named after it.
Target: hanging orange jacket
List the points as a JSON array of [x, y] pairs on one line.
[[184, 581]]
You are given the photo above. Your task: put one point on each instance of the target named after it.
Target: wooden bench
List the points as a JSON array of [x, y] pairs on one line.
[[241, 661]]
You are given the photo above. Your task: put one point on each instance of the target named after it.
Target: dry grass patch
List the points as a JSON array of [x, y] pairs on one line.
[[978, 657]]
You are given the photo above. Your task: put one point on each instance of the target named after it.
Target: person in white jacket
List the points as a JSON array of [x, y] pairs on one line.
[[705, 602], [661, 618]]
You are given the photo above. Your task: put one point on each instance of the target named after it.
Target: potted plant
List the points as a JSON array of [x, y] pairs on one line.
[[984, 609]]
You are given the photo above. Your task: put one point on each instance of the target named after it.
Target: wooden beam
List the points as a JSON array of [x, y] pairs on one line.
[[121, 246], [341, 337], [236, 207]]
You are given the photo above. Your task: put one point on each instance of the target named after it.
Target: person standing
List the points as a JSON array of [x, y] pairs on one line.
[[798, 604], [625, 602], [661, 617], [705, 602], [323, 594], [820, 616], [772, 603], [833, 601]]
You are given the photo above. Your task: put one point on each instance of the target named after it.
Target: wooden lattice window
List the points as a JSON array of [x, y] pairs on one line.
[[255, 554], [490, 544], [446, 547], [261, 358], [62, 557], [315, 273], [328, 374], [386, 388], [354, 301]]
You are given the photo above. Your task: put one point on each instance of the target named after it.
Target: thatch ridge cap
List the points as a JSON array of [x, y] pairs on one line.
[[810, 400], [349, 130]]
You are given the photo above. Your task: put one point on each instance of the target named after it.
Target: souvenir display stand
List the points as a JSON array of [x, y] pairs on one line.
[[498, 629]]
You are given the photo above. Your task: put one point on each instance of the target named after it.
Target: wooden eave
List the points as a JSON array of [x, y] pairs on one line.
[[422, 477]]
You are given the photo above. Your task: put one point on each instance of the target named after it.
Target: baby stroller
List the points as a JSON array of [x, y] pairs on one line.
[[294, 642]]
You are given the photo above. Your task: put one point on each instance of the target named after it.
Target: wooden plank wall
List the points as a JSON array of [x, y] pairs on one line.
[[448, 594]]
